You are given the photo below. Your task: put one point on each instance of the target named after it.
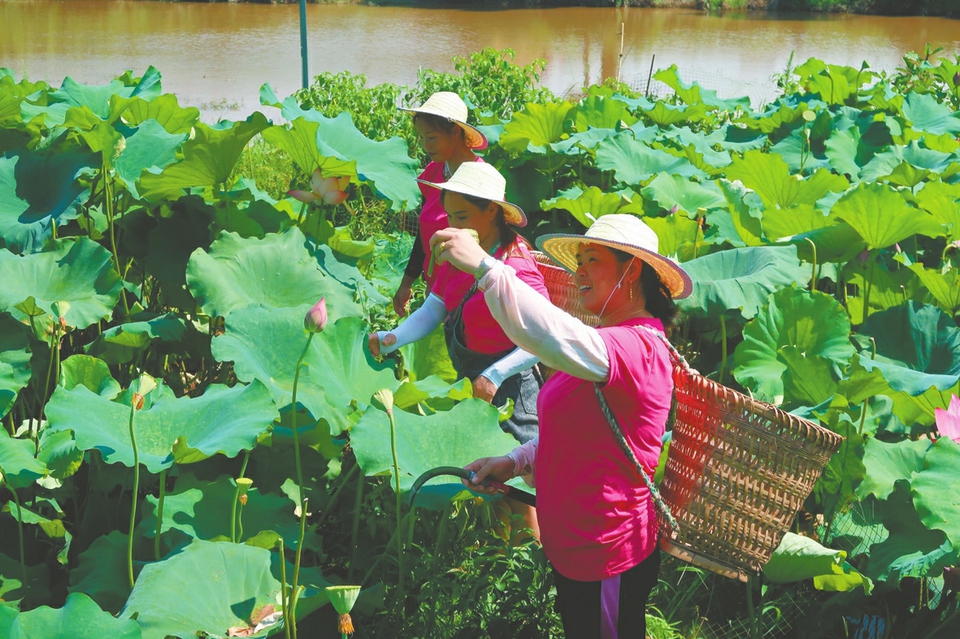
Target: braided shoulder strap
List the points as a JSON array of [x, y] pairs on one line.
[[678, 360]]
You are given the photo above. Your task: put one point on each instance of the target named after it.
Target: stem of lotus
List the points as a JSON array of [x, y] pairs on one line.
[[303, 207], [54, 346], [136, 490], [751, 611], [866, 295], [441, 534], [236, 498], [336, 495], [396, 475], [295, 589], [813, 274], [296, 458], [284, 601], [723, 348], [355, 530], [163, 493], [240, 524], [23, 555]]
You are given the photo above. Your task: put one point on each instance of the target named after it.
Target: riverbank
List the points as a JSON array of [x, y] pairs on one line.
[[943, 8]]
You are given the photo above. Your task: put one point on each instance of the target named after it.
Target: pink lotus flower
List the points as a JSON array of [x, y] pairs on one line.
[[316, 318], [328, 190], [948, 421]]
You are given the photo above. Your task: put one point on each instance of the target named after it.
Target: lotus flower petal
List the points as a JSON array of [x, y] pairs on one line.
[[948, 421], [316, 180], [303, 196], [334, 197], [316, 318]]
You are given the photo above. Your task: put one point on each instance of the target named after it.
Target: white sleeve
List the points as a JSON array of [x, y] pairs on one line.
[[560, 340], [515, 361], [418, 325], [524, 460]]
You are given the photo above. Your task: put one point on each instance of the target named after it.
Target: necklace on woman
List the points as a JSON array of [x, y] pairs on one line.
[[447, 173]]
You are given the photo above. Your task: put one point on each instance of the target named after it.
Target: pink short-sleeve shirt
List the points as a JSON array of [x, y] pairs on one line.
[[596, 516]]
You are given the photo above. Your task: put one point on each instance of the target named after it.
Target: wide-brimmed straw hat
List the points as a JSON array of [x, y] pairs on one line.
[[448, 105], [479, 179], [627, 233]]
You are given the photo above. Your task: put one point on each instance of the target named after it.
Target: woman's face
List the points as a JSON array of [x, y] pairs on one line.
[[597, 275], [439, 145], [462, 214]]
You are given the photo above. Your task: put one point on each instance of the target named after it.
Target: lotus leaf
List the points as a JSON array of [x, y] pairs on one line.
[[926, 114], [13, 591], [882, 216], [895, 163], [54, 106], [798, 558], [535, 127], [164, 109], [703, 144], [18, 465], [90, 372], [411, 394], [101, 572], [943, 285], [943, 201], [429, 357], [209, 587], [744, 217], [80, 618], [916, 336], [835, 489], [39, 189], [769, 176], [741, 279], [208, 158], [672, 190], [679, 235], [120, 344], [147, 146], [808, 379], [14, 361], [665, 115], [887, 464], [222, 420], [888, 288], [53, 528], [171, 243], [585, 206], [934, 489], [600, 112], [579, 142], [275, 272], [59, 453], [693, 93], [78, 271], [835, 84], [634, 162], [457, 437], [814, 323]]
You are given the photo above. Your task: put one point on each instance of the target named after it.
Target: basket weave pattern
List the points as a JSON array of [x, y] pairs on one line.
[[737, 474]]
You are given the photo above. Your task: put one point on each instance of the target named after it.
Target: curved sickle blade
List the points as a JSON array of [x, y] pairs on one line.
[[508, 491]]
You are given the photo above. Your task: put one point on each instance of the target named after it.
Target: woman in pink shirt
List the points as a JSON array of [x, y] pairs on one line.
[[597, 520], [447, 139]]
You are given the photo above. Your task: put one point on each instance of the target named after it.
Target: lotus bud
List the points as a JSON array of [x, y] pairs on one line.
[[385, 397], [674, 209], [243, 485], [316, 318], [137, 401], [342, 598]]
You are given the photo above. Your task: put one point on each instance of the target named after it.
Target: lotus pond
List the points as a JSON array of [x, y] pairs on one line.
[[180, 457]]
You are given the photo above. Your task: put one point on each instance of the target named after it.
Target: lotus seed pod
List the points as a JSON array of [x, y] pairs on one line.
[[243, 485], [385, 397], [342, 598], [316, 318]]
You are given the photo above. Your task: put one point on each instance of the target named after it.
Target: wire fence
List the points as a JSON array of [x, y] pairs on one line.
[[727, 86]]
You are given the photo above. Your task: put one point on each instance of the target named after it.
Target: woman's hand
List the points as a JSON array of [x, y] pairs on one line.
[[459, 247], [374, 343], [402, 297], [484, 389], [496, 468]]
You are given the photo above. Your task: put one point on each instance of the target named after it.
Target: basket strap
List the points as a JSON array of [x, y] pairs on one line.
[[675, 356], [622, 440]]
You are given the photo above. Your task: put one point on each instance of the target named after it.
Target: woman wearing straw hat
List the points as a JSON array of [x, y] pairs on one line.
[[479, 349], [597, 519], [445, 136]]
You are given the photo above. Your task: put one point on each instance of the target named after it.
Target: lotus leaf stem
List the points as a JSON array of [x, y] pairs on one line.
[[866, 295], [751, 610], [336, 494], [284, 601], [396, 474], [23, 555], [723, 348], [163, 493], [236, 497], [136, 490], [302, 500], [355, 530], [813, 273]]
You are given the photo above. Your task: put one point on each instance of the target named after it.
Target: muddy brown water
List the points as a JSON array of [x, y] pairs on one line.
[[216, 56]]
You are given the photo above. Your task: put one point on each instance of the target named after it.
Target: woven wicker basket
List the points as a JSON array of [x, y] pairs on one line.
[[738, 469]]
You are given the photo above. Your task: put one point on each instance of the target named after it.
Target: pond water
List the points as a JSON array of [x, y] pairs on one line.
[[216, 56]]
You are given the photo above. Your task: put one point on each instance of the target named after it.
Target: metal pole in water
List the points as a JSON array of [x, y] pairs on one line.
[[303, 42]]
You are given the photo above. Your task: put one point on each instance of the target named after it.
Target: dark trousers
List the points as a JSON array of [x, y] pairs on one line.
[[579, 602]]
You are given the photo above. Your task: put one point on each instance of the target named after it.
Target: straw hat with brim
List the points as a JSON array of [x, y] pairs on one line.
[[627, 233], [449, 106], [481, 180]]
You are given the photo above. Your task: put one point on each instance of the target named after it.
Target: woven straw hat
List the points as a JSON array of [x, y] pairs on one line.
[[448, 105], [627, 233], [480, 179]]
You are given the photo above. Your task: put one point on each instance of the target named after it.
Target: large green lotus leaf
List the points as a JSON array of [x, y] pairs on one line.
[[836, 84], [53, 528], [808, 379], [672, 190], [200, 509], [208, 158], [585, 206], [600, 112], [894, 164], [744, 214], [847, 151], [678, 235], [59, 453], [934, 489], [299, 140], [535, 127], [209, 587], [78, 271], [835, 489], [837, 243], [101, 572], [795, 151], [911, 549], [741, 279], [457, 437], [633, 161], [39, 189], [888, 463], [90, 372], [427, 357], [944, 286], [693, 93], [18, 465], [80, 618], [703, 144], [409, 394], [120, 344], [14, 592], [222, 420], [164, 109], [882, 216], [888, 288], [276, 271], [769, 176], [148, 146], [943, 201], [798, 558], [777, 115], [582, 141], [916, 336], [927, 114], [72, 94], [813, 323], [665, 115], [14, 360]]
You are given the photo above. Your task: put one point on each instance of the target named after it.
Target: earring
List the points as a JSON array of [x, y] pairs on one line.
[[630, 289]]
